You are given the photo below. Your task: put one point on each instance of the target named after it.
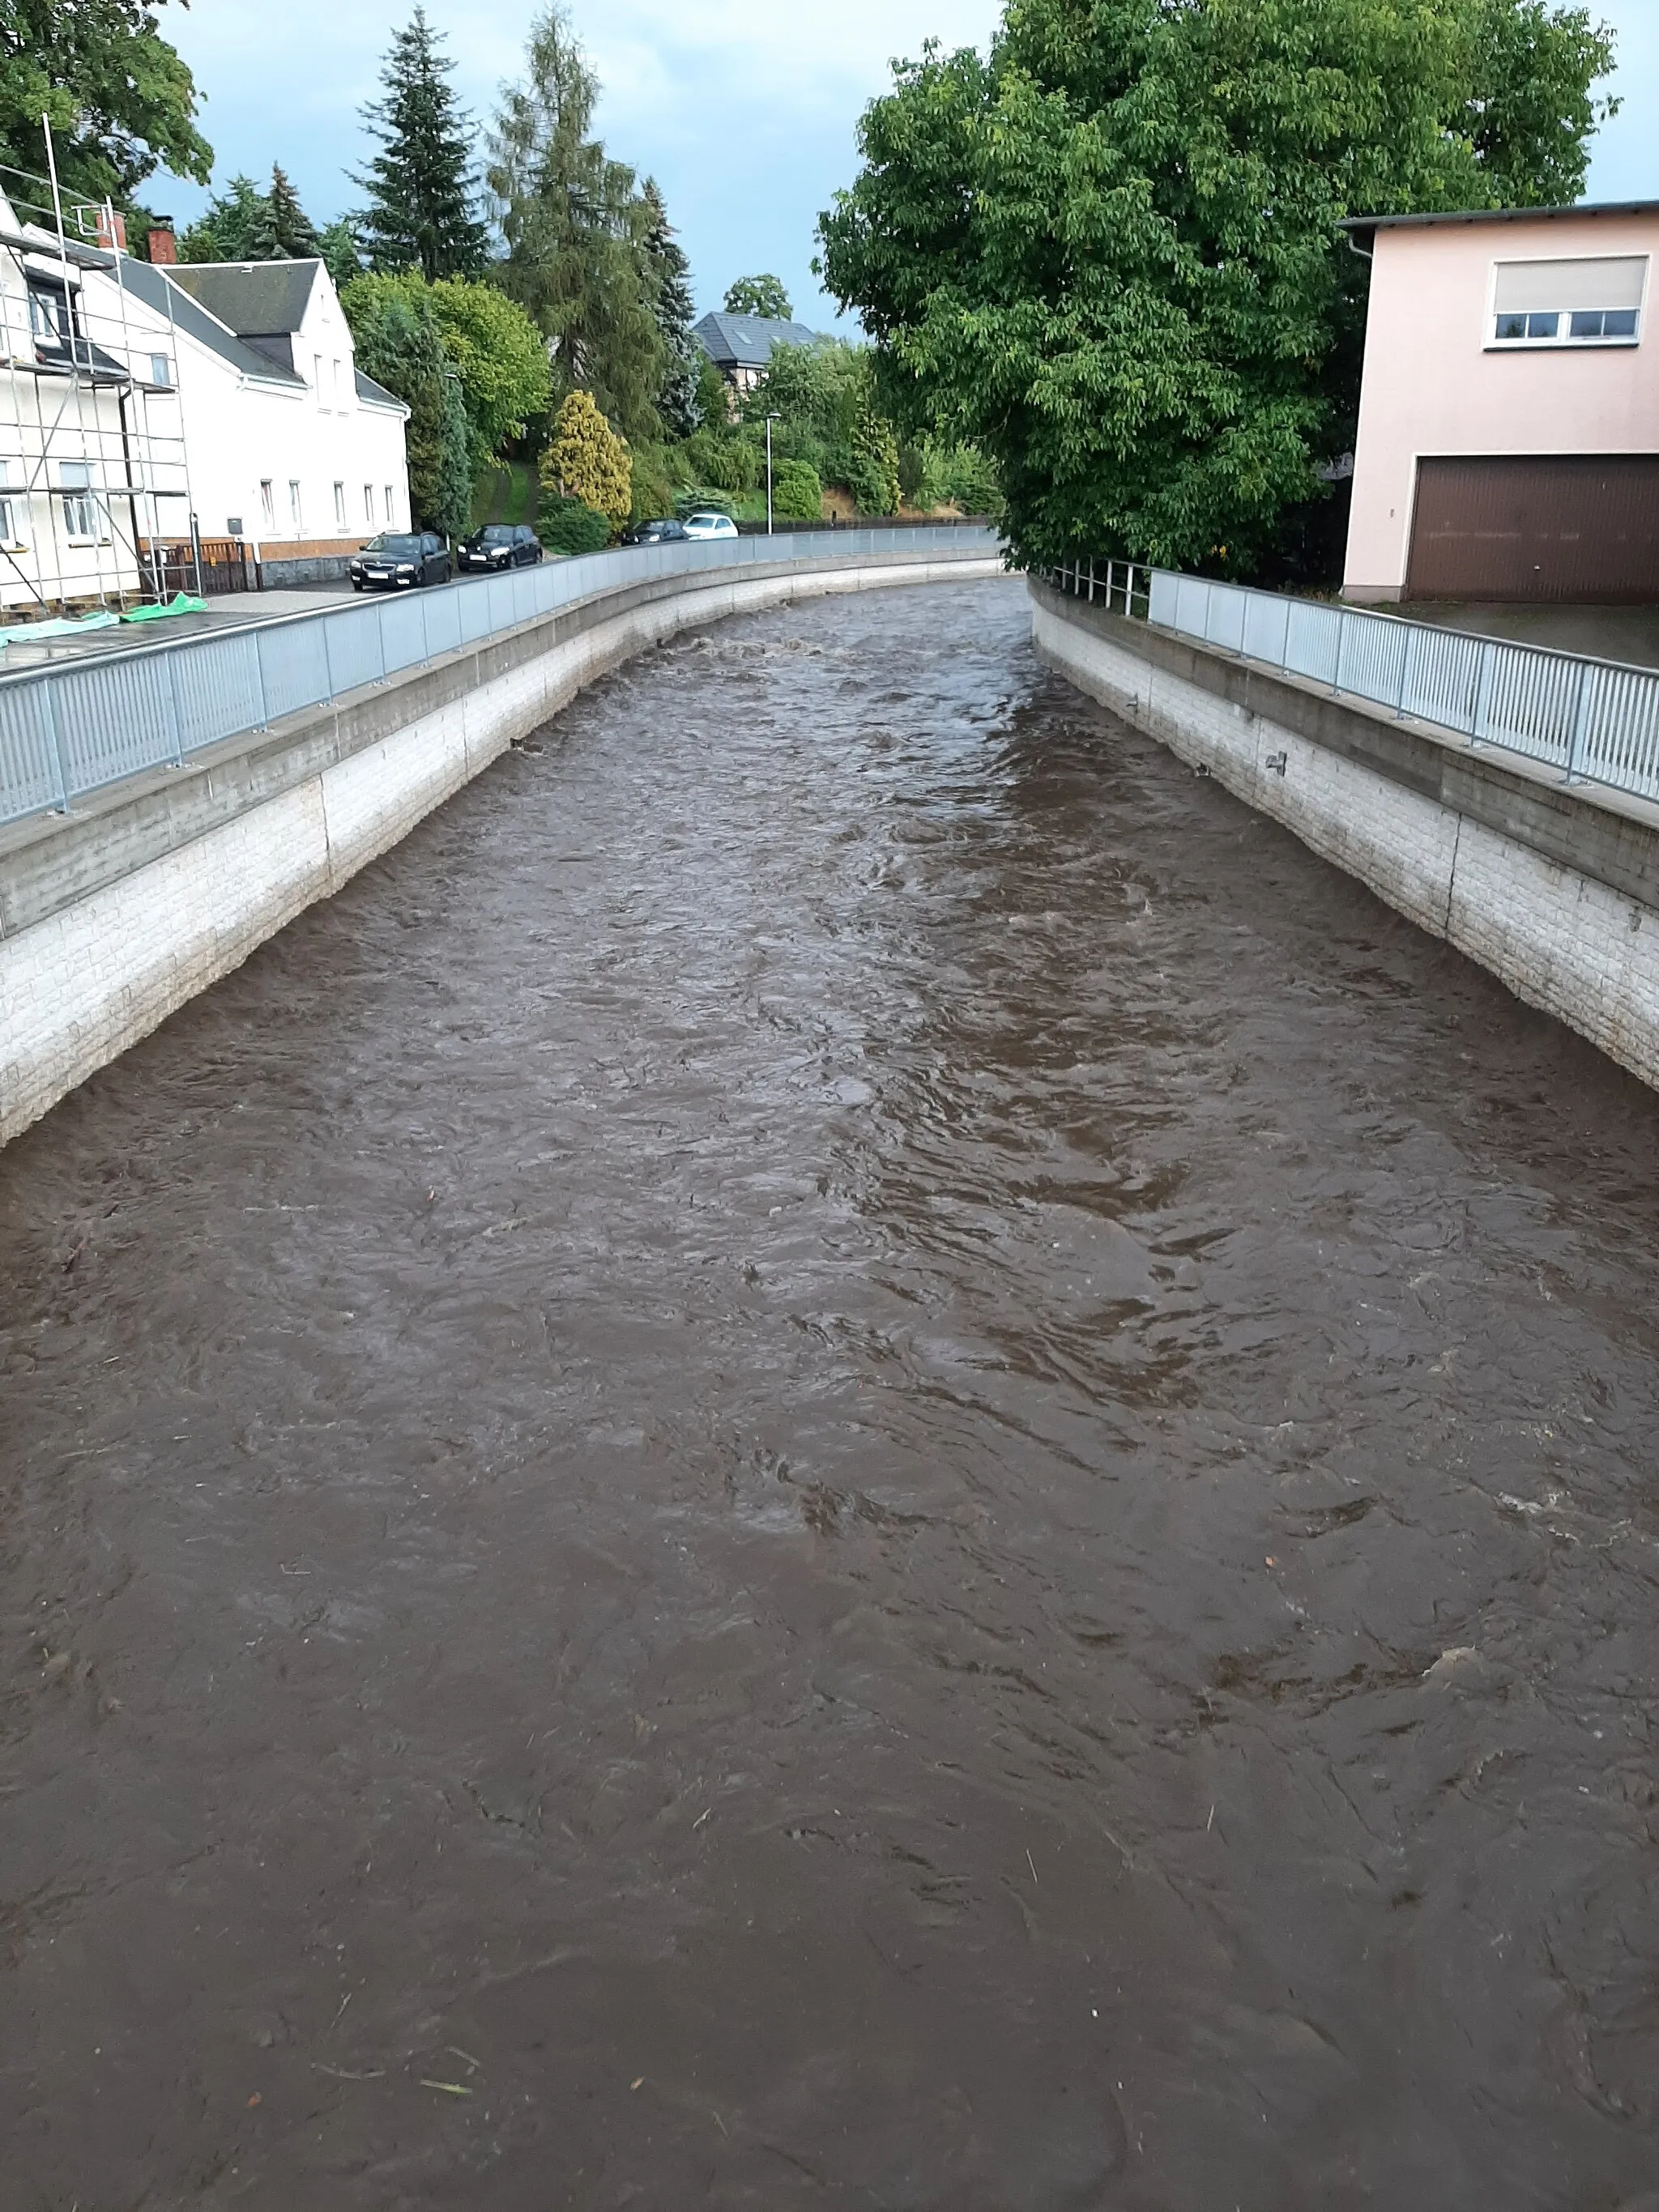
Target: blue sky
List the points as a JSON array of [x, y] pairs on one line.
[[743, 110]]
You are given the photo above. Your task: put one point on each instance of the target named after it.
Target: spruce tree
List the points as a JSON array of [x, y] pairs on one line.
[[676, 400], [422, 190], [281, 230]]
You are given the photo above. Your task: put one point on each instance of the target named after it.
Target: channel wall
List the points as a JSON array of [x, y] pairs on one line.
[[1553, 887], [114, 913]]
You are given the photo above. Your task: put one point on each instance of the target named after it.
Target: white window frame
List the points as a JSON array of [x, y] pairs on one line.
[[1562, 340], [340, 522], [10, 536], [368, 504], [317, 378], [268, 501], [391, 506], [295, 506]]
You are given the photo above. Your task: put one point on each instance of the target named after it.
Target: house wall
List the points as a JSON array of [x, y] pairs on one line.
[[1434, 385]]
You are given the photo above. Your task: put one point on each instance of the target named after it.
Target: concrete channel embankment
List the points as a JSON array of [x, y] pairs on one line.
[[1554, 888], [118, 911]]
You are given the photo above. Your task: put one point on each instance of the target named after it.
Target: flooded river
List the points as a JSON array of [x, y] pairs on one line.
[[848, 1454]]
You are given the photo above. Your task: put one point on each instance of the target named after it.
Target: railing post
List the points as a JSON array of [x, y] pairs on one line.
[[1581, 706], [172, 660], [1405, 673], [1091, 580], [259, 674], [1342, 640], [1483, 690], [56, 738]]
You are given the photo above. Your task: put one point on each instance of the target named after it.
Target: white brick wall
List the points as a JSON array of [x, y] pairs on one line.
[[1560, 940], [81, 986]]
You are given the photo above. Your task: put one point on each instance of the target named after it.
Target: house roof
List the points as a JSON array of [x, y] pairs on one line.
[[377, 395], [150, 282], [1368, 225], [255, 298], [746, 340]]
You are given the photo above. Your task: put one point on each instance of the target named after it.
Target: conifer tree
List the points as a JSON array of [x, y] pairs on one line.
[[676, 401], [422, 190], [281, 230]]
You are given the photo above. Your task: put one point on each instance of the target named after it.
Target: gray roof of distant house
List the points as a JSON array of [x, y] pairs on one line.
[[1369, 223], [377, 393], [746, 340], [147, 282], [255, 298]]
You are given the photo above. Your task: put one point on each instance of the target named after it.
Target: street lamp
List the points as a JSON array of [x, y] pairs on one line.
[[771, 420]]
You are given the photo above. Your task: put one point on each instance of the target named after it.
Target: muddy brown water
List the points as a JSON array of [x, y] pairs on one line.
[[849, 1453]]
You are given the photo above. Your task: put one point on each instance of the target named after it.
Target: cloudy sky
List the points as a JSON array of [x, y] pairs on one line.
[[743, 110]]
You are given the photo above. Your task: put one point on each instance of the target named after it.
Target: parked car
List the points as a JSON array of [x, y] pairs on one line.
[[710, 525], [397, 560], [664, 533], [501, 545]]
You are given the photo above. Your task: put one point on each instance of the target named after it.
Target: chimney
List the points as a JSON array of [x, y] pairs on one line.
[[163, 247], [118, 239]]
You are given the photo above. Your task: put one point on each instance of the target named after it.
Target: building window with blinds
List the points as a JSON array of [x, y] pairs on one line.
[[1593, 302]]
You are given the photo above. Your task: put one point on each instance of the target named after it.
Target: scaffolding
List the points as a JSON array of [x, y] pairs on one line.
[[95, 502]]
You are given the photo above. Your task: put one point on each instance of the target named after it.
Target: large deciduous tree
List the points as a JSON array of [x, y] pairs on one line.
[[577, 233], [496, 351], [759, 295], [398, 340], [1109, 254], [422, 193], [118, 98]]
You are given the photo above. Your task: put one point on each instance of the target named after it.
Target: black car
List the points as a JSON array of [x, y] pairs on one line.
[[501, 545], [397, 560], [653, 534]]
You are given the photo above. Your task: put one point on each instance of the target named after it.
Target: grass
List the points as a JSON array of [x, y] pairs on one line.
[[504, 491]]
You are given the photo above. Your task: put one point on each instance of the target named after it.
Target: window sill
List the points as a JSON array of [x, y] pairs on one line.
[[1562, 345]]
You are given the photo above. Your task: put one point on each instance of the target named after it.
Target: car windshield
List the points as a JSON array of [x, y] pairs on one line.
[[496, 533], [402, 548], [705, 519]]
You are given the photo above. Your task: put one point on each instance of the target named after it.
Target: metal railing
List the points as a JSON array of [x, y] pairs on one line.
[[71, 729], [1597, 721]]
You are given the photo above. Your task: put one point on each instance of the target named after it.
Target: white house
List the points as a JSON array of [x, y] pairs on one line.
[[288, 445], [141, 402]]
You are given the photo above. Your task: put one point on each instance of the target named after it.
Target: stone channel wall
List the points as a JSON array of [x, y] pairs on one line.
[[1555, 889], [113, 915]]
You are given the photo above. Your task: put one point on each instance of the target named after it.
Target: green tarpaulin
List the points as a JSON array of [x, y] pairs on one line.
[[179, 603]]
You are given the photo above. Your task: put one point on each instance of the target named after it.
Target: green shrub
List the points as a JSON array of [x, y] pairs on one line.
[[570, 526], [700, 499], [797, 494]]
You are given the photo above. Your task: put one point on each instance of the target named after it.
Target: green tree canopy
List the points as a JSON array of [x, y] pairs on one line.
[[1110, 255], [283, 231], [577, 233], [397, 339], [119, 99], [586, 460], [495, 349], [242, 223], [759, 295], [421, 211]]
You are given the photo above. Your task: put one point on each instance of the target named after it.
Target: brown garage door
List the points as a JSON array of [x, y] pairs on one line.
[[1578, 527]]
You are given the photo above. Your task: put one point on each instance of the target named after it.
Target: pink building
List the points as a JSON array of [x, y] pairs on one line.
[[1509, 419]]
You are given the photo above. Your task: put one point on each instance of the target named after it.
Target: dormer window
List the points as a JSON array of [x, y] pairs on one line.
[[1594, 301]]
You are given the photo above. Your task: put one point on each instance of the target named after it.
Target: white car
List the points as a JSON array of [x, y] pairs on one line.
[[710, 525]]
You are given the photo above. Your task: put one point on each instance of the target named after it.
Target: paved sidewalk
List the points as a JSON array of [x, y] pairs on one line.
[[235, 610], [1626, 634]]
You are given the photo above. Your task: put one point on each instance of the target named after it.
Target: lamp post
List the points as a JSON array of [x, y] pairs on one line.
[[771, 420]]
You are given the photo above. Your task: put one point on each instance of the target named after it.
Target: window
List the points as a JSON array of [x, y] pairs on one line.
[[338, 401], [80, 506], [294, 515], [10, 534], [368, 504], [47, 315], [391, 506], [161, 371], [339, 507], [317, 378], [268, 502], [1596, 301]]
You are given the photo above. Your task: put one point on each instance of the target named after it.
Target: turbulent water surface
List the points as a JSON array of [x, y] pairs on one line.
[[851, 1454]]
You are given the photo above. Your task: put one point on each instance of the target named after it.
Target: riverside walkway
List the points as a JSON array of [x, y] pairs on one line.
[[846, 1451]]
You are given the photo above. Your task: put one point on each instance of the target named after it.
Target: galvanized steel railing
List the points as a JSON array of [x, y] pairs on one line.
[[72, 729], [1597, 721]]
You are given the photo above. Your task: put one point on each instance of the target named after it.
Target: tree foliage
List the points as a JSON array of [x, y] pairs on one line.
[[586, 460], [242, 223], [494, 349], [577, 233], [118, 98], [283, 231], [421, 211], [677, 401], [759, 295], [398, 340], [797, 495], [1109, 255]]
